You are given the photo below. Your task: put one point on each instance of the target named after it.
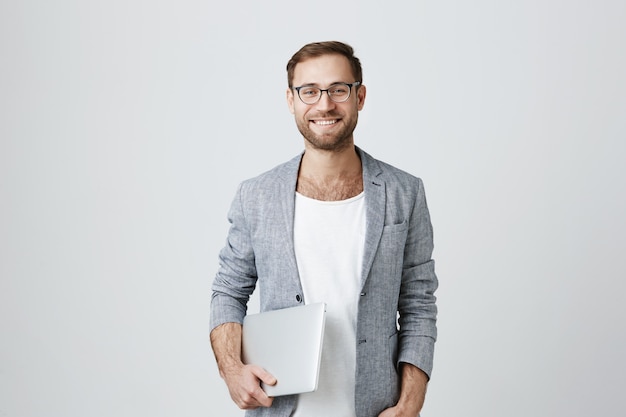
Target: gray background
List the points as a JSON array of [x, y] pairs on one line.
[[125, 127]]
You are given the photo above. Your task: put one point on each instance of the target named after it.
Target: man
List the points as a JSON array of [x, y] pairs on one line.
[[332, 225]]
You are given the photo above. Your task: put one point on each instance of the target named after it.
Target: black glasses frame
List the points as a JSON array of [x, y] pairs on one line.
[[354, 84]]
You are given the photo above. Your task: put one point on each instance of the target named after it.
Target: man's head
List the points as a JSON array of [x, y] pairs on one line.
[[325, 94], [317, 49]]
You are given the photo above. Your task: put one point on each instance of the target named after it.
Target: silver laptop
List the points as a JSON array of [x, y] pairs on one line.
[[288, 344]]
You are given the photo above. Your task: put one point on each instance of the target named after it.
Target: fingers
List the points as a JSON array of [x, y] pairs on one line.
[[246, 391], [258, 396], [263, 375]]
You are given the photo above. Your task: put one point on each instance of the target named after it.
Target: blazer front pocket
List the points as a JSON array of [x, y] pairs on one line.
[[395, 228], [391, 248]]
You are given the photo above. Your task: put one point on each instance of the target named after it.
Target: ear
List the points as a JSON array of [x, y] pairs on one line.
[[360, 97], [290, 100]]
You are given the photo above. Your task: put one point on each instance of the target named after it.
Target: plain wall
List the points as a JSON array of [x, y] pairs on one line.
[[125, 127]]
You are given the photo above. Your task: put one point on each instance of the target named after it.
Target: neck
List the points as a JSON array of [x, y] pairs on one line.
[[317, 163], [330, 176]]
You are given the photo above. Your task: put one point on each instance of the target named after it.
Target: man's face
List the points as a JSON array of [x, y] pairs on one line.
[[326, 125]]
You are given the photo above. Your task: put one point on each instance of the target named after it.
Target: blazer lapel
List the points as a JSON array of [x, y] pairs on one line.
[[375, 201], [287, 198]]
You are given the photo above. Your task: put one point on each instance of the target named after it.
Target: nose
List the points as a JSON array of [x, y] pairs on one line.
[[325, 103]]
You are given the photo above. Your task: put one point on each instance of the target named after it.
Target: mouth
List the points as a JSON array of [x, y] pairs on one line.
[[325, 122]]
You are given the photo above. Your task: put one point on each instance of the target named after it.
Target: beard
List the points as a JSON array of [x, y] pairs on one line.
[[339, 139]]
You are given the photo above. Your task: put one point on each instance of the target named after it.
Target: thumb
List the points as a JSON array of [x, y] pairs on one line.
[[264, 376]]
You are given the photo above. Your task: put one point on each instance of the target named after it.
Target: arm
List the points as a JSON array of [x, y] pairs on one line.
[[243, 381], [412, 393], [418, 312], [233, 284], [417, 302], [236, 277]]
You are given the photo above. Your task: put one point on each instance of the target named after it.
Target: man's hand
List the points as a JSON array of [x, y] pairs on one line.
[[244, 385], [413, 392], [243, 381]]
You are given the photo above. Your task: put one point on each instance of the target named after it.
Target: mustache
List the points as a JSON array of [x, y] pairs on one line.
[[326, 115]]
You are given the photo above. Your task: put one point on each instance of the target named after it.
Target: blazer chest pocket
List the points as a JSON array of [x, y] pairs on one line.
[[392, 244], [396, 228]]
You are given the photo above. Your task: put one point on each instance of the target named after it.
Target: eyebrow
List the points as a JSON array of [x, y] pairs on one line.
[[318, 85]]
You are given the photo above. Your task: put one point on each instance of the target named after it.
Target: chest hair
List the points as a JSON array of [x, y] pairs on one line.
[[330, 189]]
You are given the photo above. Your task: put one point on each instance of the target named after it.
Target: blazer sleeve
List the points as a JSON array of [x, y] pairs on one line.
[[236, 277], [417, 303]]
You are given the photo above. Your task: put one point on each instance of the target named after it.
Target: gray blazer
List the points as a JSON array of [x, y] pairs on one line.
[[396, 312]]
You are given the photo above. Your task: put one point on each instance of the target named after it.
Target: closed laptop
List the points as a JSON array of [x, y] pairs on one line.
[[288, 344]]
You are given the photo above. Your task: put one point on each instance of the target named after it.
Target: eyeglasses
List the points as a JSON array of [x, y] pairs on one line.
[[339, 92]]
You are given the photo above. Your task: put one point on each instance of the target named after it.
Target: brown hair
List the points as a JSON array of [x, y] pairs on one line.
[[317, 49]]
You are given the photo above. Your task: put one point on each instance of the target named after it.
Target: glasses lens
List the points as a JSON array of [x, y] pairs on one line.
[[339, 92], [309, 95]]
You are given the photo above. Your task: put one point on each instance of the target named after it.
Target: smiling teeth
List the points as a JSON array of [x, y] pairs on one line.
[[325, 122]]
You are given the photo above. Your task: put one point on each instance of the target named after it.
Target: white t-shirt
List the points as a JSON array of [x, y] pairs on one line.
[[329, 238]]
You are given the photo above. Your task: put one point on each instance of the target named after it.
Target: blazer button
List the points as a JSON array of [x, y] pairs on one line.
[[298, 298]]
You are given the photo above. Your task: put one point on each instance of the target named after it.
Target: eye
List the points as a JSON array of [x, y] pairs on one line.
[[338, 89], [309, 92]]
